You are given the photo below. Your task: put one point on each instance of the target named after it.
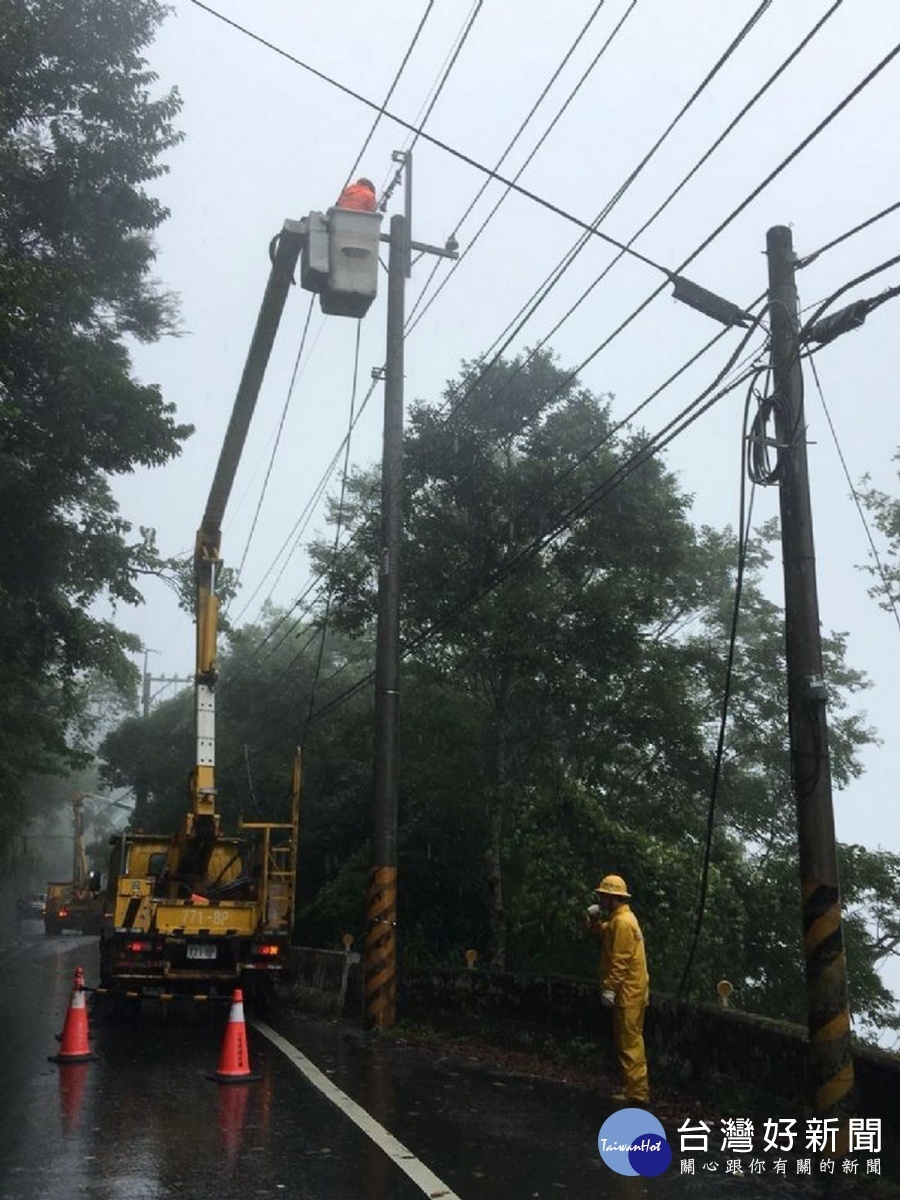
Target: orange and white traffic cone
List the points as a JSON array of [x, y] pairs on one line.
[[73, 1043], [234, 1060]]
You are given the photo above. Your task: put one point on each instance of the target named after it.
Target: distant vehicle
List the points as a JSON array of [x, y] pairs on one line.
[[56, 908], [77, 903], [31, 907], [78, 907]]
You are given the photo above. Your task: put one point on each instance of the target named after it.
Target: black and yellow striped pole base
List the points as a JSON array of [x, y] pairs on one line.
[[830, 1048], [380, 959]]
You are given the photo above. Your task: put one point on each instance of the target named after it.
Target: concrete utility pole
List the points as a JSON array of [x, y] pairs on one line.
[[380, 956], [380, 961], [141, 790], [830, 1058]]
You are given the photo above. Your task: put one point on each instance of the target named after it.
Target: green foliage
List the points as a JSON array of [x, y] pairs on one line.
[[885, 510], [555, 727], [80, 136]]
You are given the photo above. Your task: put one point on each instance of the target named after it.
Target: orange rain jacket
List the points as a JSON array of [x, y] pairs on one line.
[[361, 198]]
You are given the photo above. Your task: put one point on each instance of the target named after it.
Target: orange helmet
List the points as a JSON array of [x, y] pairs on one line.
[[613, 885]]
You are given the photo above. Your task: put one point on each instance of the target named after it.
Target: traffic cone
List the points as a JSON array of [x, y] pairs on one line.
[[234, 1060], [73, 1044]]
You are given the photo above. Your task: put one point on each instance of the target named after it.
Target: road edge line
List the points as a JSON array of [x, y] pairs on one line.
[[422, 1176]]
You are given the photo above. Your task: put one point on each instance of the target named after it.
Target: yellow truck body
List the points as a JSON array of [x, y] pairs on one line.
[[165, 938]]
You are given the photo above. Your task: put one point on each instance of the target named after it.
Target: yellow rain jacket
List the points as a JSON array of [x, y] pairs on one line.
[[623, 963]]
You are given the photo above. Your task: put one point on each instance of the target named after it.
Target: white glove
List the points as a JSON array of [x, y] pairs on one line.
[[607, 998], [594, 910]]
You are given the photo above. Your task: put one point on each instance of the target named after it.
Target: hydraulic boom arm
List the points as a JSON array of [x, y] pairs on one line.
[[207, 561]]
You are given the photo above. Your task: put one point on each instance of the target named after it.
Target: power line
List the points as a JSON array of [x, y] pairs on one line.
[[409, 146], [802, 145], [436, 142], [577, 246], [688, 415], [337, 537], [284, 412], [810, 258], [765, 182], [785, 162], [508, 148], [391, 89], [744, 525], [679, 424], [412, 321], [855, 496], [569, 258], [296, 534], [720, 228]]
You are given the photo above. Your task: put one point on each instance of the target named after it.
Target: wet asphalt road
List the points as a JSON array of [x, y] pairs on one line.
[[143, 1121]]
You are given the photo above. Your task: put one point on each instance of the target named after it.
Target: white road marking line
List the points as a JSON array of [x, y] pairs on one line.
[[421, 1176]]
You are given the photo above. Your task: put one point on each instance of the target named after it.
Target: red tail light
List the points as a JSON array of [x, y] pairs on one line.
[[62, 912], [267, 951], [138, 947]]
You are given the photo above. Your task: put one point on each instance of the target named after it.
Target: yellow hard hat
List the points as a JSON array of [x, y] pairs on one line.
[[613, 885]]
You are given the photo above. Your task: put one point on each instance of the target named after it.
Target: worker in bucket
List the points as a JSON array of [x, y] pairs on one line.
[[624, 982], [359, 195]]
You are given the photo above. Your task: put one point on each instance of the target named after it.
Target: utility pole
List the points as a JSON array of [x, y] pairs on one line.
[[141, 790], [380, 956], [380, 962], [145, 690], [830, 1056]]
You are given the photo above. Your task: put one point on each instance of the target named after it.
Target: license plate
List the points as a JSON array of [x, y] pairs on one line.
[[204, 951]]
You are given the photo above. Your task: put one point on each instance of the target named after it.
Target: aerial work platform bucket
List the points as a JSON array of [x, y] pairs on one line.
[[340, 260]]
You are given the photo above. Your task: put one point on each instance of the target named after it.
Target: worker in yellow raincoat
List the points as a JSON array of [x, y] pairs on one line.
[[624, 982]]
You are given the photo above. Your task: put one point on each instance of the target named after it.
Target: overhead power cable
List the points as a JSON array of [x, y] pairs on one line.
[[391, 90], [595, 495], [822, 125], [585, 238], [811, 258], [551, 281], [284, 412], [433, 141], [773, 174], [578, 245], [880, 570], [338, 529], [814, 320], [412, 321], [744, 525], [509, 146], [421, 120], [300, 527]]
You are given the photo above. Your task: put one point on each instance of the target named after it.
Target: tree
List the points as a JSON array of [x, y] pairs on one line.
[[885, 512], [81, 135], [561, 697], [559, 643]]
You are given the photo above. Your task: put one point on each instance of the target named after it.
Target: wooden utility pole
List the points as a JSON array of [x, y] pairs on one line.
[[830, 1058]]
